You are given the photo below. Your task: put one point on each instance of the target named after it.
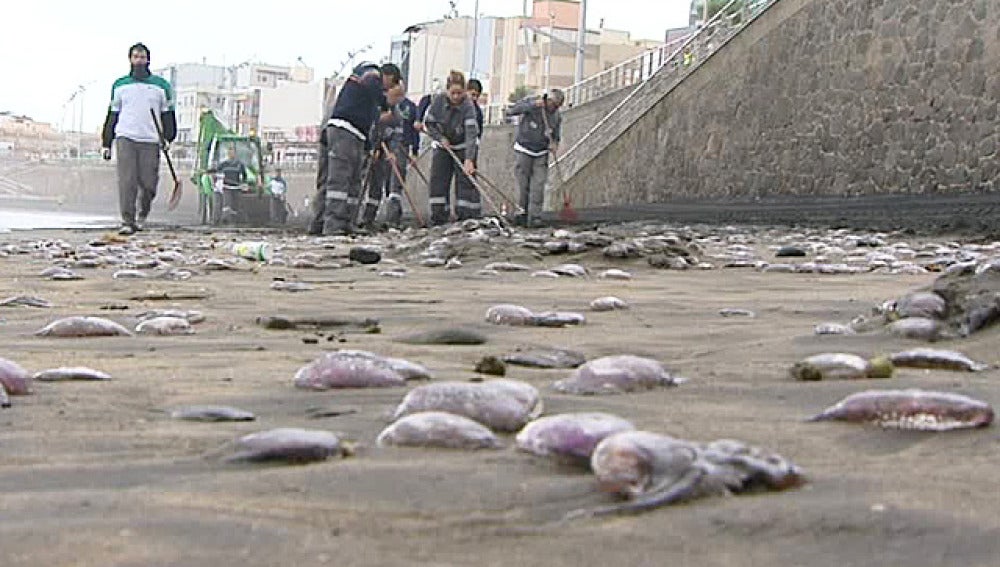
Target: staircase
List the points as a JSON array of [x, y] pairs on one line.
[[650, 76]]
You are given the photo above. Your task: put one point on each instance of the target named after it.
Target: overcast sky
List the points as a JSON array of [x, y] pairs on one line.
[[51, 47]]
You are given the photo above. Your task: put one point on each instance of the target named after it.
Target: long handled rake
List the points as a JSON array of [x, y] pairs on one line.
[[472, 179], [402, 184], [567, 213]]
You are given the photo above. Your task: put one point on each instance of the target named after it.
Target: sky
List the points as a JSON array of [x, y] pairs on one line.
[[52, 48]]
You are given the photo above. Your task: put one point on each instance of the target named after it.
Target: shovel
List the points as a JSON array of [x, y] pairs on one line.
[[175, 193]]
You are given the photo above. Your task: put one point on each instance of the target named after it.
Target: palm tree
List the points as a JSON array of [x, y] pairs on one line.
[[520, 92], [714, 7]]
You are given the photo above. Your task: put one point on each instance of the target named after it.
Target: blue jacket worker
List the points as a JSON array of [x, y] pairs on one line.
[[347, 137], [395, 137]]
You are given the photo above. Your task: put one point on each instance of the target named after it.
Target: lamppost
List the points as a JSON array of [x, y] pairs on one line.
[[581, 42], [475, 40], [79, 131], [76, 122], [409, 31]]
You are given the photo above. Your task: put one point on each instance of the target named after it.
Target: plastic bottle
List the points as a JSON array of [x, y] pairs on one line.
[[260, 251]]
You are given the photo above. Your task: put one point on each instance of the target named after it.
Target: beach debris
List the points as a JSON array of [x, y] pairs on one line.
[[651, 470], [543, 357], [288, 445], [616, 375], [211, 413], [438, 429], [285, 322], [841, 366], [569, 437], [15, 379], [357, 369], [936, 358], [71, 373], [608, 303], [921, 410], [491, 365], [25, 301], [446, 336], [500, 404], [74, 327], [165, 326]]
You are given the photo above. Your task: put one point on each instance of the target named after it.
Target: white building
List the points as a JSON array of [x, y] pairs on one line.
[[273, 101], [534, 53]]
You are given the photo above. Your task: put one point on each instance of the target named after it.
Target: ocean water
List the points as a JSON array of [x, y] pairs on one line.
[[14, 219]]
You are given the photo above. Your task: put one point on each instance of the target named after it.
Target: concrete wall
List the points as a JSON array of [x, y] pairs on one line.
[[93, 189], [818, 98]]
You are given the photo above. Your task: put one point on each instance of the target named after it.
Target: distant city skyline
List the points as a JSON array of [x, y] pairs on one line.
[[60, 46]]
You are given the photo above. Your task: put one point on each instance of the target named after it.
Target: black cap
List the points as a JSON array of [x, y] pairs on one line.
[[393, 71]]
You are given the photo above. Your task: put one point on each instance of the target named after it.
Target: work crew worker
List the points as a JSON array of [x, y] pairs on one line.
[[278, 188], [451, 122], [348, 141], [538, 133], [234, 176], [475, 90], [135, 99], [388, 175]]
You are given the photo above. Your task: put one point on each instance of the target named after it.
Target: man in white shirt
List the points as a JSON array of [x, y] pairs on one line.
[[135, 99]]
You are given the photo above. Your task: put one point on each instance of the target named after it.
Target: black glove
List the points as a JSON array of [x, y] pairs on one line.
[[106, 154]]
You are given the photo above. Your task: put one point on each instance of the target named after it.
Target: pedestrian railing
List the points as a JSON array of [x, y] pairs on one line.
[[660, 76], [680, 53], [625, 74]]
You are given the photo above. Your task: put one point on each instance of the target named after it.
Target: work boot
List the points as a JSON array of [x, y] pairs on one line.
[[333, 227], [316, 227], [126, 230], [394, 213], [140, 224]]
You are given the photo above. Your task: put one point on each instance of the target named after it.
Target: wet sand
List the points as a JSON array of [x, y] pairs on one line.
[[98, 474]]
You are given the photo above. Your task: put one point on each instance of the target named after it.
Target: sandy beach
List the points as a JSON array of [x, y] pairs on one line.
[[97, 474]]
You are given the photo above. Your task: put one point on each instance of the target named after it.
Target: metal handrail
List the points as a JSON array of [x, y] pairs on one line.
[[634, 70], [694, 50], [640, 68], [627, 73]]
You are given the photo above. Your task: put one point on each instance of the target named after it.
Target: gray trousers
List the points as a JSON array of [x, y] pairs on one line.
[[278, 212], [138, 174], [531, 173], [384, 183], [443, 170], [319, 201], [341, 188]]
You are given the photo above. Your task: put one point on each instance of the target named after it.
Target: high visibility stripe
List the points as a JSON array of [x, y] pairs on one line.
[[345, 125], [468, 204], [438, 201], [336, 195], [526, 151]]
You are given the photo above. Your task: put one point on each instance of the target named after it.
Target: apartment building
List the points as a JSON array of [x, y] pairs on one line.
[[533, 52]]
